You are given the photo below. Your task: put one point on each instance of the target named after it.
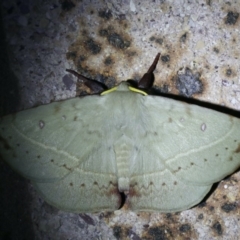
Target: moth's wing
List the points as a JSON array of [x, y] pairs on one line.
[[82, 191], [61, 145], [183, 150], [199, 145], [162, 191]]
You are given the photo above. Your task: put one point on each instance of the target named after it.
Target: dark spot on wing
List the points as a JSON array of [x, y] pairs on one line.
[[27, 152], [70, 184], [52, 160], [18, 144], [175, 183], [205, 160], [163, 184], [170, 120], [134, 184], [38, 156], [82, 185], [192, 163], [75, 118], [65, 166], [133, 191], [230, 159], [111, 183], [217, 155], [113, 191], [178, 169]]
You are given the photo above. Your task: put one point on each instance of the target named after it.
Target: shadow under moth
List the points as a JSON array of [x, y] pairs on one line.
[[122, 147]]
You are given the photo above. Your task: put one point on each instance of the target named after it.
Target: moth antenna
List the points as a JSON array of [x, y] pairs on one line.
[[147, 80], [154, 64], [95, 86], [84, 79]]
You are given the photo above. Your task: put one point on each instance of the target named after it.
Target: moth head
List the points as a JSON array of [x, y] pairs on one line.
[[126, 87]]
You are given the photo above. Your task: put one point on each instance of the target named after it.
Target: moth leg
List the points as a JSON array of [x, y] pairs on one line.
[[147, 79], [95, 86]]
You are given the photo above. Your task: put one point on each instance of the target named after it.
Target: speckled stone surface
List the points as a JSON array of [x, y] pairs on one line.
[[111, 41]]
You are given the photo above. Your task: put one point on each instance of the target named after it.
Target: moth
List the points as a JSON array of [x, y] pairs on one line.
[[122, 147]]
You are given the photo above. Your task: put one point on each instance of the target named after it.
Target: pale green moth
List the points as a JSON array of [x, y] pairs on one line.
[[85, 154]]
